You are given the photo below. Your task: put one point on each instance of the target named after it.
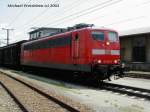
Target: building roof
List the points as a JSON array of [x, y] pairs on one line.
[[135, 31]]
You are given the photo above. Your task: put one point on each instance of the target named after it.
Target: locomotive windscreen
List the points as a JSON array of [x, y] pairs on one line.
[[98, 35], [112, 36]]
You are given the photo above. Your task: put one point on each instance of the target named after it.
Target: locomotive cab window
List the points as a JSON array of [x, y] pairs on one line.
[[97, 35], [112, 37]]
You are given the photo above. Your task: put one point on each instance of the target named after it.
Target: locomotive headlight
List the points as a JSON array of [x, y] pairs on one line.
[[99, 61], [107, 43], [115, 61]]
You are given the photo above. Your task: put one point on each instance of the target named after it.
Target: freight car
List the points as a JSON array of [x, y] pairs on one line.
[[1, 57], [10, 55]]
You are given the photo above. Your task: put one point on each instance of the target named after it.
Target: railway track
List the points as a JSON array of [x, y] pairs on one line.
[[122, 89], [138, 75], [128, 90], [23, 109], [42, 94], [116, 88]]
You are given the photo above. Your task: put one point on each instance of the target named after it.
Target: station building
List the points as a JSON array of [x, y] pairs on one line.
[[135, 48]]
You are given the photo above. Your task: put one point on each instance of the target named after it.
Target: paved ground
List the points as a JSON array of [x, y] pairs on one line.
[[100, 100], [136, 82], [139, 72]]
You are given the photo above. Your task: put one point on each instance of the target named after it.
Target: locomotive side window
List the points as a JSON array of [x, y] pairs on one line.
[[57, 42], [112, 36], [97, 35]]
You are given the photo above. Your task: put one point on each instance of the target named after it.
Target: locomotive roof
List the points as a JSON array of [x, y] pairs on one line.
[[68, 32]]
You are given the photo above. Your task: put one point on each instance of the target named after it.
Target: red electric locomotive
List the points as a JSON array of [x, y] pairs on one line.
[[83, 49]]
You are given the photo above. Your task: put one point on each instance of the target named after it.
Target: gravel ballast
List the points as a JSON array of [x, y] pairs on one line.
[[7, 104], [97, 100], [54, 92], [32, 101]]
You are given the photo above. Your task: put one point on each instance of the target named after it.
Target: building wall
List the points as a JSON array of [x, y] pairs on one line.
[[148, 49], [127, 45], [126, 49]]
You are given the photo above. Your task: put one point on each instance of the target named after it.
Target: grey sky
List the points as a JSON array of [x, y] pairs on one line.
[[116, 14]]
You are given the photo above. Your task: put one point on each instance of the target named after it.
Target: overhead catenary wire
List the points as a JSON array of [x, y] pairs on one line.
[[39, 15], [17, 16], [97, 5], [94, 7], [7, 32], [66, 20], [118, 22], [53, 21], [75, 18], [79, 12], [85, 13], [132, 8], [73, 4], [124, 20]]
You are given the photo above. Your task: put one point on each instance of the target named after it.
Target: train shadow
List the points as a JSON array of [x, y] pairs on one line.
[[80, 79], [62, 76]]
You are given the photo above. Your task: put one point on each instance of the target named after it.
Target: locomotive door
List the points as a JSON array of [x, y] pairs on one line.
[[75, 47]]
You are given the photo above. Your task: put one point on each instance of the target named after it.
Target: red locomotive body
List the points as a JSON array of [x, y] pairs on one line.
[[95, 51]]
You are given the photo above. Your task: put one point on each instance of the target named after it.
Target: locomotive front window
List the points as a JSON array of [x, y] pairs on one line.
[[112, 36], [97, 35]]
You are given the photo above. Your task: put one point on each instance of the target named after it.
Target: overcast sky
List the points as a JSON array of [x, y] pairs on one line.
[[120, 15]]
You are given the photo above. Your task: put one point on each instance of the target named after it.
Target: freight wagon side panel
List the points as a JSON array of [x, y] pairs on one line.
[[1, 57], [11, 54]]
